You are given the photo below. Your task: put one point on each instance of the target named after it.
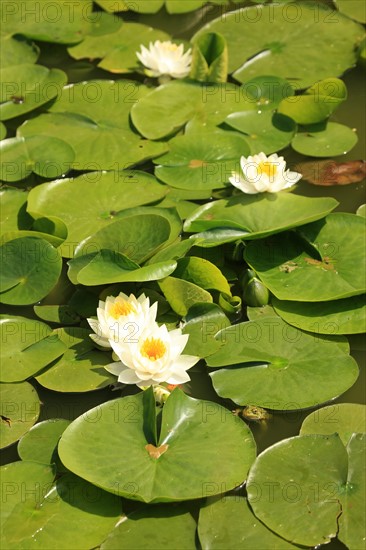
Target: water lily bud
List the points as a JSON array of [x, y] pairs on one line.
[[255, 294], [247, 276]]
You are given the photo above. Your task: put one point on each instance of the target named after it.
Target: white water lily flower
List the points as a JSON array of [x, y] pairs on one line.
[[165, 58], [263, 174], [155, 358], [121, 319]]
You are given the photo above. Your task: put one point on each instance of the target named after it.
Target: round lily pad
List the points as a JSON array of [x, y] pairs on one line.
[[228, 522], [20, 408], [107, 193], [17, 50], [28, 86], [13, 213], [40, 443], [58, 21], [276, 366], [201, 160], [341, 418], [294, 487], [181, 294], [27, 347], [320, 266], [31, 269], [160, 526], [48, 157], [267, 40], [115, 446], [117, 47], [202, 322], [265, 131], [336, 139], [259, 215], [71, 514], [81, 367], [346, 316]]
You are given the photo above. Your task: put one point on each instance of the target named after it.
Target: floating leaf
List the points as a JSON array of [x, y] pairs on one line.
[[3, 131], [201, 444], [201, 160], [276, 366], [202, 322], [63, 315], [245, 529], [346, 316], [330, 172], [31, 269], [292, 271], [265, 131], [298, 498], [20, 408], [266, 92], [268, 40], [336, 139], [26, 87], [48, 157], [160, 526], [181, 294], [353, 8], [17, 50], [27, 347], [40, 443], [71, 513], [209, 58], [317, 102], [117, 47], [13, 213], [259, 215], [107, 192], [341, 418], [59, 21], [81, 367], [202, 273]]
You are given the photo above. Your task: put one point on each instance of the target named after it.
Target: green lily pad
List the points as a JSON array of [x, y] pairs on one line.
[[264, 131], [23, 483], [202, 273], [63, 315], [346, 316], [353, 499], [169, 107], [201, 444], [39, 444], [17, 50], [336, 139], [201, 160], [293, 487], [137, 237], [317, 103], [267, 92], [31, 269], [293, 271], [117, 47], [209, 59], [26, 87], [181, 294], [13, 235], [59, 21], [13, 213], [112, 6], [202, 322], [353, 8], [81, 367], [47, 157], [172, 6], [341, 418], [259, 215], [108, 267], [27, 347], [71, 514], [3, 131], [245, 530], [107, 192], [267, 40], [276, 366], [361, 210], [160, 526], [20, 408]]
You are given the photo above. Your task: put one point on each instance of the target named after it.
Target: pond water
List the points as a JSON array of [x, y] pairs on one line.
[[281, 424]]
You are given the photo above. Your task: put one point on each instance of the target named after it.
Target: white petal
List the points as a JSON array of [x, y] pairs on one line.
[[100, 341], [128, 376], [114, 368]]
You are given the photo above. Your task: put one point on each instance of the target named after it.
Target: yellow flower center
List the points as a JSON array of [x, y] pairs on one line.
[[267, 168], [121, 307], [153, 348], [171, 47]]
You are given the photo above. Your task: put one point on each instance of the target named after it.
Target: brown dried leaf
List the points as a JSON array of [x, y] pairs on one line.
[[330, 172]]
